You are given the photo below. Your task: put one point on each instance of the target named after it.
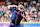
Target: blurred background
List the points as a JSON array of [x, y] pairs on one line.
[[32, 10]]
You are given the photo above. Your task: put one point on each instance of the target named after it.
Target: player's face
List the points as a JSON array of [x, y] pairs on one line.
[[20, 9]]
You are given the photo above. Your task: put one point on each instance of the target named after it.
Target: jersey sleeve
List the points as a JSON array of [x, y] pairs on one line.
[[12, 9]]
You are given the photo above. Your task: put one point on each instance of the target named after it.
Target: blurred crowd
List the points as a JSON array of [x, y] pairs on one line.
[[31, 9]]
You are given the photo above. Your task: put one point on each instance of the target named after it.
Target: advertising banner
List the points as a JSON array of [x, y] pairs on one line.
[[32, 25], [22, 25], [4, 24]]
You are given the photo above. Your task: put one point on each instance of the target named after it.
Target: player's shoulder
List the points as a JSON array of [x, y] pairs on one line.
[[11, 7]]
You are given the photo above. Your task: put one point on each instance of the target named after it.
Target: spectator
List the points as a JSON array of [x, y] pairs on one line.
[[31, 10]]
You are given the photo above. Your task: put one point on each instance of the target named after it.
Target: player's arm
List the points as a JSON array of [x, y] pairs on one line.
[[11, 6], [24, 17]]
